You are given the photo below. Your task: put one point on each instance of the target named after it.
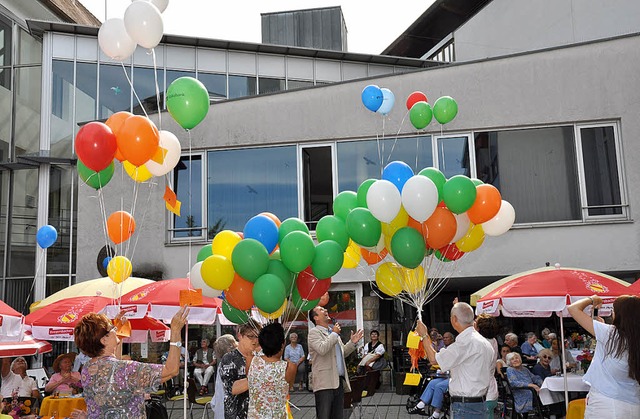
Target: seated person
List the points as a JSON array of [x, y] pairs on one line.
[[64, 381], [519, 376], [501, 363], [294, 352], [543, 368], [436, 339], [529, 351], [556, 361], [434, 395], [373, 355], [15, 379], [511, 339], [204, 362], [79, 361]]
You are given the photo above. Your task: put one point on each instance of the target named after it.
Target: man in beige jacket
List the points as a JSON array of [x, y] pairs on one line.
[[330, 378]]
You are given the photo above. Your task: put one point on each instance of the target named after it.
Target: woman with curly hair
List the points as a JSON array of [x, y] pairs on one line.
[[614, 374]]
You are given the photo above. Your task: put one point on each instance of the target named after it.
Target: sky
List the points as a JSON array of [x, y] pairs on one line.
[[371, 25]]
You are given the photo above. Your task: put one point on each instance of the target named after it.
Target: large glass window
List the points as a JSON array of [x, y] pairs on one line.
[[24, 223], [144, 85], [216, 85], [29, 49], [62, 104], [86, 93], [187, 180], [115, 92], [453, 156], [27, 111], [241, 86], [244, 183], [61, 185], [299, 84], [271, 85]]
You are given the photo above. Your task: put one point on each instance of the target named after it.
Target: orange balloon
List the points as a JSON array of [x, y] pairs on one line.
[[120, 226], [240, 293], [372, 257], [273, 217], [441, 228], [486, 205], [417, 225], [114, 122], [138, 139]]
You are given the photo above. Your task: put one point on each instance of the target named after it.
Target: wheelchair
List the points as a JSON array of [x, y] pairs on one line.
[[415, 398]]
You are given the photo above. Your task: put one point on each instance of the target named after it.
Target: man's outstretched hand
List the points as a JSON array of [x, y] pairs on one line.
[[355, 337]]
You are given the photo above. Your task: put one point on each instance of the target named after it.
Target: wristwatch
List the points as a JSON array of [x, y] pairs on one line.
[[177, 344]]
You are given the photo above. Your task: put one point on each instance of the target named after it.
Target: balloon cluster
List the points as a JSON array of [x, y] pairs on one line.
[[273, 265], [379, 100], [444, 110]]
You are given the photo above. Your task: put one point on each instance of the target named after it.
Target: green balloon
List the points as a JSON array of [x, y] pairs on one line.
[[362, 192], [187, 101], [300, 304], [477, 182], [459, 194], [445, 109], [289, 225], [333, 228], [363, 227], [297, 251], [250, 259], [204, 253], [344, 203], [268, 293], [277, 268], [437, 177], [420, 114], [408, 247], [328, 260], [95, 179], [233, 314]]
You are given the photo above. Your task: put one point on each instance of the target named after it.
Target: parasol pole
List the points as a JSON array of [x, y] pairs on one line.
[[564, 364]]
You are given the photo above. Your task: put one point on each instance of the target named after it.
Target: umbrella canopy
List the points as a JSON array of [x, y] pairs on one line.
[[634, 289], [27, 346], [10, 323], [161, 300], [104, 287], [540, 292]]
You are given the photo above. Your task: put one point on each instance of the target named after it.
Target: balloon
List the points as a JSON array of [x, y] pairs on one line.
[[105, 262], [371, 257], [401, 220], [351, 256], [462, 226], [343, 203], [119, 269], [477, 181], [420, 197], [297, 251], [486, 205], [440, 228], [408, 247], [398, 173], [414, 98], [302, 304], [160, 4], [187, 101], [324, 300], [138, 174], [420, 115], [144, 23], [473, 239], [204, 253], [333, 228], [224, 242], [445, 109], [362, 192], [233, 314], [95, 145], [217, 272], [310, 287], [383, 200], [46, 236], [250, 259], [388, 100], [388, 278], [289, 225], [264, 230], [459, 194], [138, 139], [268, 293], [114, 40], [451, 252], [240, 293], [120, 226], [413, 280], [277, 268], [95, 179], [328, 259], [372, 97], [169, 146], [114, 122], [273, 217], [195, 277], [501, 222], [363, 228], [437, 177], [276, 314]]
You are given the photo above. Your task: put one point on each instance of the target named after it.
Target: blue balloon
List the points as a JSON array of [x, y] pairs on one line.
[[106, 261], [372, 97], [398, 173], [263, 229], [388, 100], [46, 236]]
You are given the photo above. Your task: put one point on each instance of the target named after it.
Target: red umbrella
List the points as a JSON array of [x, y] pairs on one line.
[[26, 347], [10, 323], [634, 289]]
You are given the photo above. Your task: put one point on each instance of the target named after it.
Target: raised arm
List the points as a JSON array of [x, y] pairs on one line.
[[577, 312], [172, 366], [422, 330]]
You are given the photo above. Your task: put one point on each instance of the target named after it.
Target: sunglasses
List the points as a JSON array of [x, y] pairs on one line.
[[545, 357]]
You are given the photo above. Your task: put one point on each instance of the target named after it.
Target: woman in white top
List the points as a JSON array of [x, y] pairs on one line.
[[614, 374]]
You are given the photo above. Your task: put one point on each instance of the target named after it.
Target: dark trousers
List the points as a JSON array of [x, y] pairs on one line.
[[329, 403]]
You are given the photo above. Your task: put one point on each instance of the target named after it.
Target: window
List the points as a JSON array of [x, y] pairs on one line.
[[271, 85], [241, 86], [453, 156], [188, 186], [216, 85], [299, 84], [317, 183], [62, 104], [115, 92], [144, 85]]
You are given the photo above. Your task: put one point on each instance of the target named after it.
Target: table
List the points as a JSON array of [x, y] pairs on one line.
[[552, 389], [63, 405]]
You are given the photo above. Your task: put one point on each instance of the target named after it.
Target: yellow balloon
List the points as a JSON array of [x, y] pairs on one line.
[[388, 276], [401, 220], [224, 242], [276, 314], [217, 272], [139, 174], [472, 240], [352, 256], [413, 280], [119, 269]]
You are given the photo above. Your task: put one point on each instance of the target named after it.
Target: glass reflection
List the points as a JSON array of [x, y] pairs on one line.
[[62, 108], [241, 86], [453, 156], [29, 49], [27, 111], [216, 85], [86, 93], [23, 223], [60, 213], [144, 84], [187, 178], [115, 91], [299, 84], [271, 85]]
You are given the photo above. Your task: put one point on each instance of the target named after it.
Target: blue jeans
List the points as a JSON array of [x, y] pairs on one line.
[[434, 393], [461, 410]]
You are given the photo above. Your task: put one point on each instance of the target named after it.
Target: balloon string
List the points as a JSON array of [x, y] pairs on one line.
[[133, 89], [155, 76], [190, 232], [33, 283], [152, 186]]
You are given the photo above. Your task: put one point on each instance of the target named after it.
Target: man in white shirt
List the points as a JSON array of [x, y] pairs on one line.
[[469, 360], [15, 379]]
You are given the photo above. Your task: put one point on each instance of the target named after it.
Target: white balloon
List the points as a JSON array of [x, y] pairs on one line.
[[463, 224], [378, 247], [160, 4], [383, 200], [169, 142], [419, 197], [388, 99], [198, 282], [114, 40], [501, 222], [144, 23]]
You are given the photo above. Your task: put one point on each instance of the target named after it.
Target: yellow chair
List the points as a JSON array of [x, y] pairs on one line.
[[576, 409]]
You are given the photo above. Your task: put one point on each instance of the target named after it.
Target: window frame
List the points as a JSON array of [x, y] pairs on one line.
[[470, 136], [203, 205]]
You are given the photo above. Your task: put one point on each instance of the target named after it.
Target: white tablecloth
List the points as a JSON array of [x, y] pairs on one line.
[[552, 390]]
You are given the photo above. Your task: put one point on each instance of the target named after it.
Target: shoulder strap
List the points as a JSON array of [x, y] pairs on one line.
[[371, 349]]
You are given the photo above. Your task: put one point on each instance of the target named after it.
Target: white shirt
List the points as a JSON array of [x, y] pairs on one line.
[[470, 360], [13, 381]]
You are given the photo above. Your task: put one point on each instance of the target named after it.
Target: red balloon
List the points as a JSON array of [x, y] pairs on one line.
[[414, 98], [451, 252], [138, 139], [324, 300], [311, 287], [96, 145]]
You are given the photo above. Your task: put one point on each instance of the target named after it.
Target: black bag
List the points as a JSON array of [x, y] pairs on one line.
[[155, 409]]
